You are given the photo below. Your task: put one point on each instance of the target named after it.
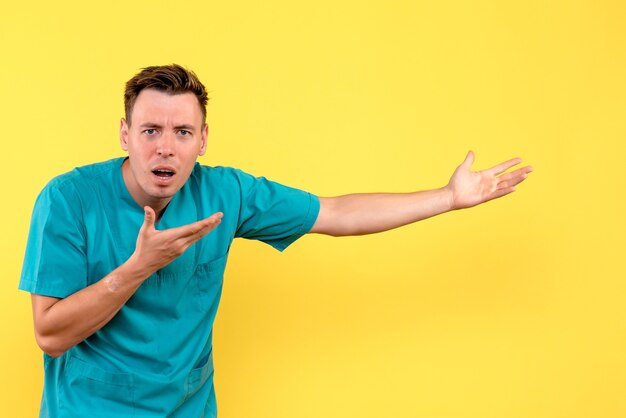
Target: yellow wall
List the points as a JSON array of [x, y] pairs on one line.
[[514, 309]]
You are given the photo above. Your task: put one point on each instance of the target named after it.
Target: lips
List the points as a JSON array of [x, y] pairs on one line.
[[164, 174]]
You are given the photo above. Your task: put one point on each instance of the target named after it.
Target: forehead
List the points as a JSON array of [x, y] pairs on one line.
[[163, 108]]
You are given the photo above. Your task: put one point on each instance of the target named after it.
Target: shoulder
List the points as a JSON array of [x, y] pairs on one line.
[[81, 183], [92, 173], [224, 176], [217, 171]]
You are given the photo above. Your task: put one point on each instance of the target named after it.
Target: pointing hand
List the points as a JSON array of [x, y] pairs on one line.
[[155, 249], [470, 188]]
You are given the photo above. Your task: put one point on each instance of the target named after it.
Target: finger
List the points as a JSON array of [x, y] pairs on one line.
[[198, 227], [501, 192], [519, 172], [512, 180], [148, 219], [205, 229], [469, 160], [501, 168]]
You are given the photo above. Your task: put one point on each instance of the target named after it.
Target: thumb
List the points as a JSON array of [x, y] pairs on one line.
[[148, 220], [469, 160]]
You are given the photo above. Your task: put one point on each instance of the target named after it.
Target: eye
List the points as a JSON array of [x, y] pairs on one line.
[[149, 131], [184, 132]]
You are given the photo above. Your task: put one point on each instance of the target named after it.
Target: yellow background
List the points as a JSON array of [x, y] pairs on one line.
[[513, 309]]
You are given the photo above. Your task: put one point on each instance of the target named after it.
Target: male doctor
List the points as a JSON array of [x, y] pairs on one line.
[[125, 258]]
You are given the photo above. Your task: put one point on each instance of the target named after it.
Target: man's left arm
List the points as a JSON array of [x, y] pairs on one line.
[[360, 214]]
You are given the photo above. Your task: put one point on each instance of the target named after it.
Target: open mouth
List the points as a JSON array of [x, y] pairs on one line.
[[163, 173]]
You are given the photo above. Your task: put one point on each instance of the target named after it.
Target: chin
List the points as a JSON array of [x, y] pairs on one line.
[[161, 192], [164, 194]]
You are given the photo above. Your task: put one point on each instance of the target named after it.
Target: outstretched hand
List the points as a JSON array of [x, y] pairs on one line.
[[470, 188], [155, 249]]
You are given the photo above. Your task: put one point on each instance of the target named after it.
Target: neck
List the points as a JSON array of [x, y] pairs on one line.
[[157, 205], [139, 196]]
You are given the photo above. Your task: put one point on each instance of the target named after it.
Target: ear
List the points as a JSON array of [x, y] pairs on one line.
[[124, 134], [204, 138]]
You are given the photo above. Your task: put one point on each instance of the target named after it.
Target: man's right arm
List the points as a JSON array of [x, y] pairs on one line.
[[60, 324]]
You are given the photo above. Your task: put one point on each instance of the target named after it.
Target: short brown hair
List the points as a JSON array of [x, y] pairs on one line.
[[171, 79]]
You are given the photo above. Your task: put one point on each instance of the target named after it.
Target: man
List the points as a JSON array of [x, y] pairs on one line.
[[125, 258]]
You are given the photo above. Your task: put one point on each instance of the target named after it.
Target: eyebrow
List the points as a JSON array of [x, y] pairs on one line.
[[184, 126]]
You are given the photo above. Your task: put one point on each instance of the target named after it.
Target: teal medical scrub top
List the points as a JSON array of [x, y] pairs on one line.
[[154, 358]]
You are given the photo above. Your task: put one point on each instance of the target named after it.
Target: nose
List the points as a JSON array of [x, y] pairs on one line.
[[166, 145]]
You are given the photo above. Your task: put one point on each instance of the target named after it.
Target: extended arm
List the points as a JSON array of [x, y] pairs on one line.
[[62, 323], [359, 214]]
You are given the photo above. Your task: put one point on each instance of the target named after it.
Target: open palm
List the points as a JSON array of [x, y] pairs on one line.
[[470, 188]]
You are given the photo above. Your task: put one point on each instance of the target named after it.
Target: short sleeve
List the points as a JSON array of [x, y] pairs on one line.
[[273, 213], [55, 260]]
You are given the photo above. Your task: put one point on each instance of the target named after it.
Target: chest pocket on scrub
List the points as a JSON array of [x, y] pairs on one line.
[[209, 278]]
